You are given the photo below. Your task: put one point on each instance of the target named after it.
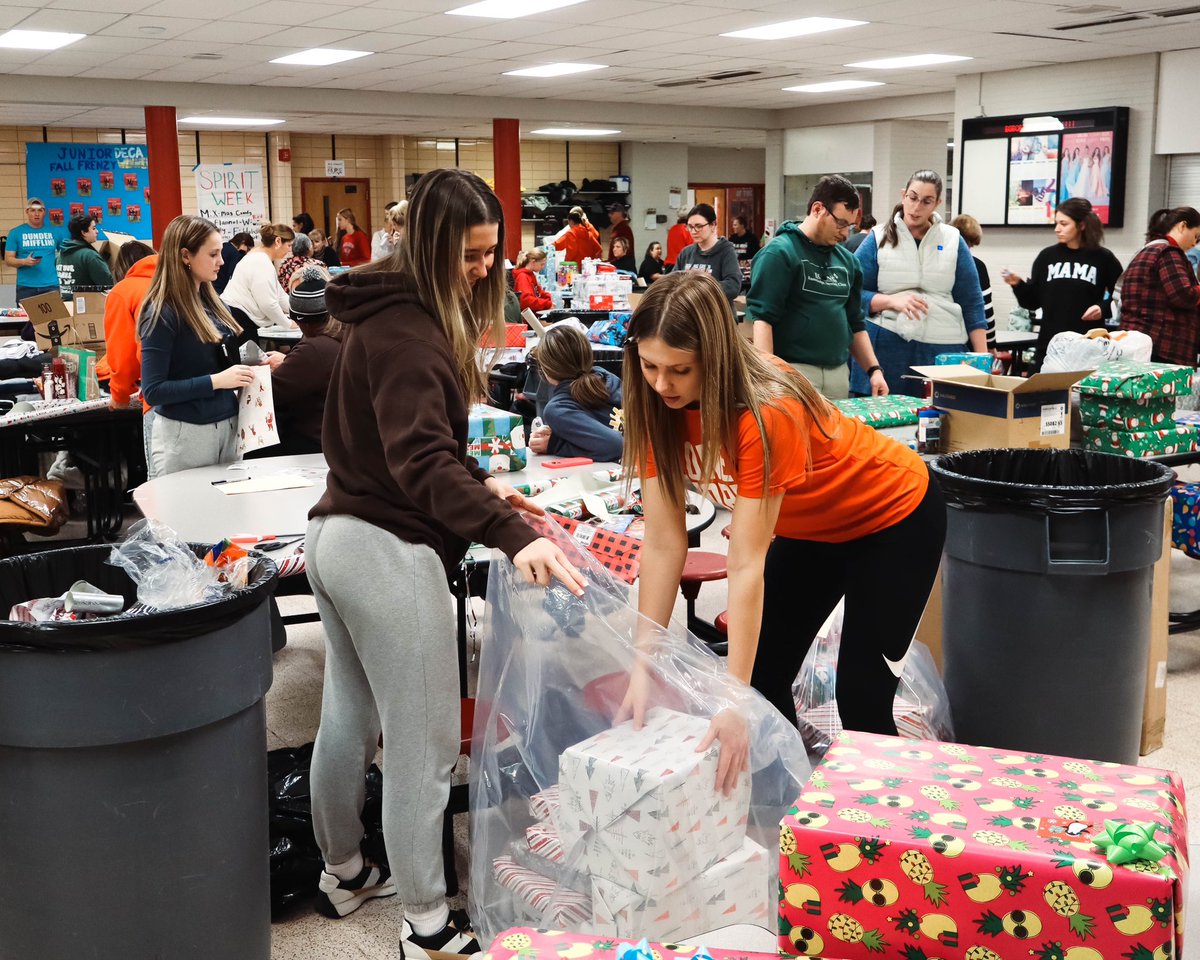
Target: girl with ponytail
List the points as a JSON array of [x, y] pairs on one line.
[[583, 411]]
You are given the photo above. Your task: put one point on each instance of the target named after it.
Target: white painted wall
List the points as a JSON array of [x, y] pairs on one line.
[[773, 178], [653, 170], [1176, 127], [1122, 81], [829, 149], [726, 165], [901, 148]]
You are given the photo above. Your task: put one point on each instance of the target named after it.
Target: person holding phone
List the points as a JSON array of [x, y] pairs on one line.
[[31, 248]]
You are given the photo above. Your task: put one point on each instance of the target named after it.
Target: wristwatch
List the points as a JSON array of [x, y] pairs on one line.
[[871, 370]]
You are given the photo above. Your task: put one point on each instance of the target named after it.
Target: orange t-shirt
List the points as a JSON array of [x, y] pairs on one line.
[[861, 481]]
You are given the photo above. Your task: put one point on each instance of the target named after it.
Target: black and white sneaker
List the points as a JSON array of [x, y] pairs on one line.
[[339, 898], [456, 939]]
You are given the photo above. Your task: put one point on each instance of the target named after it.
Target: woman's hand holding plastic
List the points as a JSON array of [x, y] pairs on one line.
[[1092, 314], [542, 561], [233, 378], [912, 305], [1012, 279], [539, 440], [730, 728], [633, 707]]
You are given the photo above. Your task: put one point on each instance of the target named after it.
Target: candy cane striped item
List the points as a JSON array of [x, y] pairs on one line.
[[544, 841], [556, 905], [293, 563], [544, 805]]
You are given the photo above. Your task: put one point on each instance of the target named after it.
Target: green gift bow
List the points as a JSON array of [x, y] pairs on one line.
[[1126, 842]]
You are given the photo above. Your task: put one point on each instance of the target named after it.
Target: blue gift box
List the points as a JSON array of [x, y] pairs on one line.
[[980, 361], [610, 332], [496, 438]]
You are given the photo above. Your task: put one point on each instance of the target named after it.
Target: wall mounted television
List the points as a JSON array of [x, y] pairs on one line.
[[1014, 171]]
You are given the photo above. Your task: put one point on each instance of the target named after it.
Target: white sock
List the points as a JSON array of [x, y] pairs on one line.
[[348, 870], [428, 922]]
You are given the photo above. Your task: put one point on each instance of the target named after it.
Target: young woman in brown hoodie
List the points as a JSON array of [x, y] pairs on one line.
[[403, 501]]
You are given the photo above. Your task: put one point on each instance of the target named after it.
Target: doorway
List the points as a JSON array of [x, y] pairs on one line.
[[744, 200], [322, 197]]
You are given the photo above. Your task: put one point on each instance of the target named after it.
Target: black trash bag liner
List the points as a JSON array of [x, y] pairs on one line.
[[1048, 481], [51, 573], [296, 860]]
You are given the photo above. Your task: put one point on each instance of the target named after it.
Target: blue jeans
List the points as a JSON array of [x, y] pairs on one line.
[[24, 293]]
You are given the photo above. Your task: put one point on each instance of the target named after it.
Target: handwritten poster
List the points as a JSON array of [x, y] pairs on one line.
[[232, 195], [109, 182]]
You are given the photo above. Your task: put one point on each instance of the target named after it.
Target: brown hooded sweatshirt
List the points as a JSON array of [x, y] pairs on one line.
[[395, 430]]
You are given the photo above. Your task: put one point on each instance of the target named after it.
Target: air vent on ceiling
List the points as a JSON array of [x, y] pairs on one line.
[[734, 74], [681, 83], [1177, 12], [1106, 22], [1038, 36], [205, 56]]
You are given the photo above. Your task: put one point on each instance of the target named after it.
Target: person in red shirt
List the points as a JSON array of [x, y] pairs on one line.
[[1159, 293], [525, 280], [354, 246], [823, 506], [581, 239], [678, 237], [621, 230]]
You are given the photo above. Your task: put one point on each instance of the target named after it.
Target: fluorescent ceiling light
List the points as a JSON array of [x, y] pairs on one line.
[[831, 85], [794, 28], [38, 39], [574, 132], [321, 57], [555, 69], [918, 60], [509, 9], [233, 121]]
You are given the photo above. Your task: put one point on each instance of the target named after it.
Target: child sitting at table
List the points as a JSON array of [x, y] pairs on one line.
[[530, 292], [585, 400]]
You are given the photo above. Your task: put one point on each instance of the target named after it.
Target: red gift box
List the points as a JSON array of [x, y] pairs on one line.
[[920, 849], [514, 335], [600, 301], [617, 553]]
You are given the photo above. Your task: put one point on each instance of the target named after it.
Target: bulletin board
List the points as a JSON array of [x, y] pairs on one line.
[[110, 182]]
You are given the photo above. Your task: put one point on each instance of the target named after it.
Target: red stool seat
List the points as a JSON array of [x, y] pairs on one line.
[[722, 622], [701, 567]]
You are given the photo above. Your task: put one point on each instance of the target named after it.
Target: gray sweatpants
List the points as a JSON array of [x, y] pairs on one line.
[[390, 666], [175, 445]]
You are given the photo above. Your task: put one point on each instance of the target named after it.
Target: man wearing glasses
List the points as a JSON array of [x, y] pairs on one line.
[[805, 295], [710, 252]]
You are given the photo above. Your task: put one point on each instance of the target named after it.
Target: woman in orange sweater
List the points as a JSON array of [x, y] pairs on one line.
[[581, 240], [122, 361], [525, 281], [823, 506]]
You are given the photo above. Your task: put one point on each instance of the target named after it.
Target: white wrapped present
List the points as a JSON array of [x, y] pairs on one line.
[[641, 808], [733, 890]]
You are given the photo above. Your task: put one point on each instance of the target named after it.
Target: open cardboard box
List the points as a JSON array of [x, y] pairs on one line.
[[985, 410], [76, 324]]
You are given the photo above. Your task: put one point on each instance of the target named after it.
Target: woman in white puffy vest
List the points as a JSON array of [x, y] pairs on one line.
[[920, 288]]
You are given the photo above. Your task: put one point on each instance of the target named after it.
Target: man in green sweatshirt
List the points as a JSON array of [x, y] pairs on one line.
[[805, 292]]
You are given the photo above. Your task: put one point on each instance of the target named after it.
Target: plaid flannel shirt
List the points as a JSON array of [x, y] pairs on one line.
[[1160, 297]]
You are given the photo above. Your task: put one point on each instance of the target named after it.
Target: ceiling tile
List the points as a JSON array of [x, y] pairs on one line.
[[70, 20]]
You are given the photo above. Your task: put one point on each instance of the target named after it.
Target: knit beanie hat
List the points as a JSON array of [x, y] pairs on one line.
[[306, 302]]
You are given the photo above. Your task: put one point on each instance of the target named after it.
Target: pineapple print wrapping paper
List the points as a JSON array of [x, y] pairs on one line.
[[496, 438], [526, 943], [930, 851]]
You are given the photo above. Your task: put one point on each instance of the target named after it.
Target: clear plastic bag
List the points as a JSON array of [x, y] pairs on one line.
[[921, 708], [167, 571], [577, 824], [1069, 351]]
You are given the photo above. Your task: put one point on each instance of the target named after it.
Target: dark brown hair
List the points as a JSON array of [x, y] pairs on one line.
[[1163, 221], [130, 253], [566, 356], [1091, 230], [890, 235]]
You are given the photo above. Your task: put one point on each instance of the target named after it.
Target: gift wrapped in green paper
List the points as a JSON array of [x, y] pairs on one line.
[[1127, 378], [891, 411]]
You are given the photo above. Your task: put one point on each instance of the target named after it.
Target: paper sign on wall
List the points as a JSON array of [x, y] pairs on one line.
[[231, 195], [335, 168]]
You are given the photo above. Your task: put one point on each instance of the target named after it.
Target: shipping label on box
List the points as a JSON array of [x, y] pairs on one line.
[[971, 853], [986, 410], [641, 806], [733, 890], [496, 439]]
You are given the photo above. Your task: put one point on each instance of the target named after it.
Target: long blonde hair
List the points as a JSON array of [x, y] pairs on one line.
[[689, 311], [443, 207], [172, 284]]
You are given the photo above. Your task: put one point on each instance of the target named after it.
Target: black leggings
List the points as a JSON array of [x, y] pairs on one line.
[[886, 579]]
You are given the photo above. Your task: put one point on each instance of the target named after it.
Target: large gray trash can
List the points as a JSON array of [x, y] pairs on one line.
[[1046, 597], [133, 807]]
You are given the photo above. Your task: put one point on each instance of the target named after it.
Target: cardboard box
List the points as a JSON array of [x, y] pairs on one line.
[[963, 852], [985, 410], [53, 319], [1154, 710]]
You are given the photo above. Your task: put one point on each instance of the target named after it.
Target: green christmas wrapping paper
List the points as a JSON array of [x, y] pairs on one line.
[[877, 412], [1126, 378], [1125, 413], [1142, 443]]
